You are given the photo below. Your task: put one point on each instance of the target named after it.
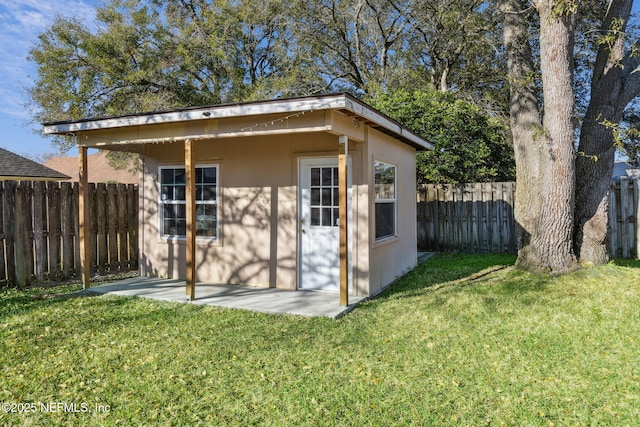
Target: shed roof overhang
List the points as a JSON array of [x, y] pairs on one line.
[[328, 113]]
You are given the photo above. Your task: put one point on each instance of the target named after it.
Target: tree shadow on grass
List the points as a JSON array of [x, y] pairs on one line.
[[441, 269], [632, 263]]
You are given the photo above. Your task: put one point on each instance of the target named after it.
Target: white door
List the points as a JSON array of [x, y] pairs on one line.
[[319, 239]]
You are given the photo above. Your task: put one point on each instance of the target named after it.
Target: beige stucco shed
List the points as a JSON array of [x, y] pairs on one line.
[[303, 193]]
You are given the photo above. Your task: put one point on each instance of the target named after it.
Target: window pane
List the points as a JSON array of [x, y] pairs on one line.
[[168, 224], [385, 191], [336, 216], [335, 177], [209, 192], [326, 217], [199, 176], [385, 181], [209, 175], [181, 211], [315, 216], [206, 220], [385, 219], [179, 193], [166, 176], [169, 212], [326, 197], [336, 197], [180, 176], [315, 176], [326, 177], [181, 226], [166, 193], [315, 196], [205, 229]]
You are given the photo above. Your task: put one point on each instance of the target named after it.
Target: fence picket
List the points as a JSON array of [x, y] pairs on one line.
[[122, 227], [66, 228], [39, 230], [132, 227], [40, 259], [101, 219], [53, 227]]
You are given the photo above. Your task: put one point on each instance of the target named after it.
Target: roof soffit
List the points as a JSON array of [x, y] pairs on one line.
[[269, 117]]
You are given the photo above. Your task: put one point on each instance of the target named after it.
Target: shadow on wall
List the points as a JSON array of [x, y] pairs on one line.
[[251, 251]]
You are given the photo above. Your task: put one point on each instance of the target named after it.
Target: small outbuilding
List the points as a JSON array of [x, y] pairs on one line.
[[313, 193]]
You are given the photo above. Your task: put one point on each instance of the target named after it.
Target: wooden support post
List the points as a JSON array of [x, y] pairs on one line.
[[190, 180], [344, 221], [83, 217]]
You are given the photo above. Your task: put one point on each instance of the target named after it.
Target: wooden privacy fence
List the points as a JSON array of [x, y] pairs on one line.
[[39, 230], [467, 217], [624, 217], [479, 218]]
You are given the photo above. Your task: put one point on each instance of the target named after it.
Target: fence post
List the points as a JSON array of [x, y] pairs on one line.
[[3, 270]]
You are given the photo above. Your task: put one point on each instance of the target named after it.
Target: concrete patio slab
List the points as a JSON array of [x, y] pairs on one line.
[[266, 300]]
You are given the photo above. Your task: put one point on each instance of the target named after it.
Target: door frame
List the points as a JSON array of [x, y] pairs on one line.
[[299, 264]]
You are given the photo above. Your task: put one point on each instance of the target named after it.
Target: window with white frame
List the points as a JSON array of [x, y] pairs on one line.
[[173, 208], [385, 200]]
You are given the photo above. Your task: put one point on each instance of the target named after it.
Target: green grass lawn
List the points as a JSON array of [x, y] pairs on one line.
[[458, 341]]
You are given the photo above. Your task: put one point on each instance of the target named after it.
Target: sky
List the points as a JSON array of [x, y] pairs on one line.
[[20, 23]]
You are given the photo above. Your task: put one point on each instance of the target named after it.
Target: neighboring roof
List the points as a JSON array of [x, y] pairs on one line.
[[344, 102], [15, 167], [622, 169], [619, 169], [98, 169]]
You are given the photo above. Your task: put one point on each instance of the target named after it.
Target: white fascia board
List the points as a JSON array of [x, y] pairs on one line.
[[340, 101], [205, 113]]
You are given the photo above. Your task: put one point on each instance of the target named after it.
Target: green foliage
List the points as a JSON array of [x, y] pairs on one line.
[[146, 56], [122, 160], [565, 8], [454, 342], [469, 145], [627, 136], [161, 54]]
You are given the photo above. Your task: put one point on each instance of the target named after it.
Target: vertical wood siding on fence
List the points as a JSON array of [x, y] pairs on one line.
[[468, 217], [624, 217], [479, 218], [39, 230]]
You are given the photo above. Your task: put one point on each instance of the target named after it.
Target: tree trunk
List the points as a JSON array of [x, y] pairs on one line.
[[594, 164], [555, 238], [544, 154], [525, 126]]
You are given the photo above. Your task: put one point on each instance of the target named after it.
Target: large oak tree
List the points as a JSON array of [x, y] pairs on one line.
[[562, 192]]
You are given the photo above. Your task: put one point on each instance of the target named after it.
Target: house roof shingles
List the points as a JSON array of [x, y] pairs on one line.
[[15, 167], [98, 168]]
